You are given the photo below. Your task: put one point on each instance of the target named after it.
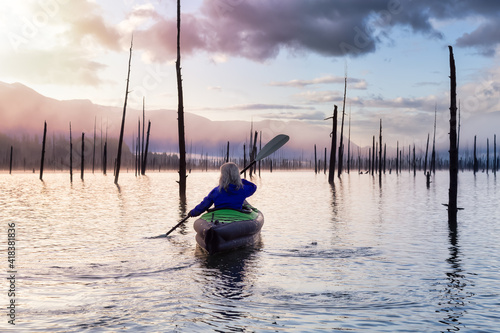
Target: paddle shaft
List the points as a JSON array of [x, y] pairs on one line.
[[177, 225], [248, 166]]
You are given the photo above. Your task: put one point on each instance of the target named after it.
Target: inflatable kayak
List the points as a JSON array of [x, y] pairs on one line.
[[226, 229]]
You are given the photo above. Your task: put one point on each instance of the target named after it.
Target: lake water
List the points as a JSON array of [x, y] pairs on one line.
[[359, 256]]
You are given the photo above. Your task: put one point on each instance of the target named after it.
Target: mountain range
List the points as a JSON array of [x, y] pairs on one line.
[[23, 111]]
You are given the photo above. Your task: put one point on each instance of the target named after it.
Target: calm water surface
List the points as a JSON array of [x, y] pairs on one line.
[[359, 256]]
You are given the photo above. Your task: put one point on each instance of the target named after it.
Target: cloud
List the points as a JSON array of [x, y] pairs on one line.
[[485, 37], [319, 97], [257, 106], [308, 116], [353, 83], [49, 43], [260, 30], [60, 66]]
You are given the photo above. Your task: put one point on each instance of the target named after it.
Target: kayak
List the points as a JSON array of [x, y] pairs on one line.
[[223, 230]]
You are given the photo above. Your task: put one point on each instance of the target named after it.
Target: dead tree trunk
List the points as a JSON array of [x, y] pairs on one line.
[[397, 157], [452, 199], [143, 159], [487, 155], [138, 155], [10, 163], [315, 161], [253, 154], [260, 147], [227, 152], [380, 154], [120, 141], [495, 165], [180, 111], [83, 155], [105, 158], [43, 149], [93, 152], [70, 155], [385, 150], [414, 162], [333, 148], [475, 166], [324, 164], [426, 152], [373, 156], [341, 145], [400, 161], [145, 155], [349, 144], [245, 161], [433, 155]]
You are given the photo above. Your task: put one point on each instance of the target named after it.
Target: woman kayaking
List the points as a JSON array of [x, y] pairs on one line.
[[231, 192]]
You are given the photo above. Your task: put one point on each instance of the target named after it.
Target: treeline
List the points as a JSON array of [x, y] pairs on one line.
[[27, 154], [408, 161]]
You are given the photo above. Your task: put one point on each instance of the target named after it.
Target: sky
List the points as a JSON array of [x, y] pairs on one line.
[[270, 60]]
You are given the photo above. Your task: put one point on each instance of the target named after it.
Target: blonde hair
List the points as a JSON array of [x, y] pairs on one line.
[[229, 174]]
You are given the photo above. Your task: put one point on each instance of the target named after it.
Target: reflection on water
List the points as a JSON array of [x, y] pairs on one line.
[[227, 280], [359, 255], [455, 295]]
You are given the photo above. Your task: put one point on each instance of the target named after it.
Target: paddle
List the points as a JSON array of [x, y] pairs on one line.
[[276, 143]]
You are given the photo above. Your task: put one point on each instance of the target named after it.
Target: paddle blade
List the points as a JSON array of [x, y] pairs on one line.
[[276, 143]]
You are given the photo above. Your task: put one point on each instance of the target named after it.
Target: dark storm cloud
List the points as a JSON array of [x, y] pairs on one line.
[[260, 29], [485, 37]]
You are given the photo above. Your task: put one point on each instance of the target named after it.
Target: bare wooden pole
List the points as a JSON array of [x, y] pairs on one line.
[[452, 193], [120, 141], [70, 155], [43, 149], [180, 112]]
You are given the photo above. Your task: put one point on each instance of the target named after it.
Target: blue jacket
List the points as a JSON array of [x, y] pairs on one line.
[[230, 199]]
